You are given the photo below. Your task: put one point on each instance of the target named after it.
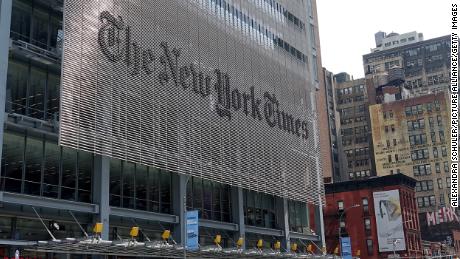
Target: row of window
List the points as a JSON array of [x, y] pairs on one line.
[[347, 141], [359, 174], [139, 187], [345, 112], [389, 143], [351, 90], [33, 24], [211, 199], [38, 166], [418, 109], [436, 152], [259, 209], [240, 19], [419, 139], [345, 121], [420, 154], [392, 127], [32, 91], [425, 169], [359, 98], [426, 201], [416, 124], [424, 186], [357, 152]]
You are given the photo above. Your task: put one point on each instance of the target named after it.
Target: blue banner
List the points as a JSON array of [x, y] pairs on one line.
[[345, 244], [192, 230]]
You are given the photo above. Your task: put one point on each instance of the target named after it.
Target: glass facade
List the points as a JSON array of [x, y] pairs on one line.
[[35, 23], [38, 166], [259, 209], [139, 187], [211, 199]]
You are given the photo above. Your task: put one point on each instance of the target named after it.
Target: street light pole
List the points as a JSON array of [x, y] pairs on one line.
[[340, 221]]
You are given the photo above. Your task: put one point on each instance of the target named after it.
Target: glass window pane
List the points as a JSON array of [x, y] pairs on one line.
[[20, 20], [128, 185], [16, 90], [207, 199], [141, 187], [69, 159], [52, 101], [34, 160], [165, 193], [55, 32], [85, 171], [51, 170], [216, 199], [40, 28], [154, 191], [115, 182], [36, 94], [12, 161]]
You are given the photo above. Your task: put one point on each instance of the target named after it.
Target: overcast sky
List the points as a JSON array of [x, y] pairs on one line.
[[347, 27]]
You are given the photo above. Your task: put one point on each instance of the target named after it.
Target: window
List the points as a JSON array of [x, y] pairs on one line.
[[367, 224], [441, 200], [30, 99], [298, 219], [439, 120], [431, 122], [396, 157], [370, 247], [439, 180], [446, 166], [259, 209], [432, 200], [389, 158], [365, 203], [420, 202], [388, 143], [438, 167], [420, 154], [444, 151], [394, 142], [340, 205], [433, 137], [448, 182], [435, 152], [422, 169], [441, 136]]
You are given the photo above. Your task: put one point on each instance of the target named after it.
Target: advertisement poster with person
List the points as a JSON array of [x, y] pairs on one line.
[[389, 221]]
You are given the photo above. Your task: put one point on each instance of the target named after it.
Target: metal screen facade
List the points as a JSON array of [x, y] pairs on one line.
[[198, 87]]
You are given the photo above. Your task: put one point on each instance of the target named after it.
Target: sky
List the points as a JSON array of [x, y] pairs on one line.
[[347, 27]]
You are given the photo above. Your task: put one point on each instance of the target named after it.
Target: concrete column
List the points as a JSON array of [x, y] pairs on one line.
[[179, 192], [5, 24], [238, 213], [101, 191]]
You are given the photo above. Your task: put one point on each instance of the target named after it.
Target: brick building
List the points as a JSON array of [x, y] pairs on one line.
[[350, 212]]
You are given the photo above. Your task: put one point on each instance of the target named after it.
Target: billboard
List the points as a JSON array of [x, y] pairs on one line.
[[192, 229], [388, 216], [189, 87]]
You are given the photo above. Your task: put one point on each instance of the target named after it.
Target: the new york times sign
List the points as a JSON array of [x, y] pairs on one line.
[[180, 86], [139, 59]]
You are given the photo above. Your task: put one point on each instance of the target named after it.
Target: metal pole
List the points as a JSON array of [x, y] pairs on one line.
[[340, 230], [394, 249], [184, 237]]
